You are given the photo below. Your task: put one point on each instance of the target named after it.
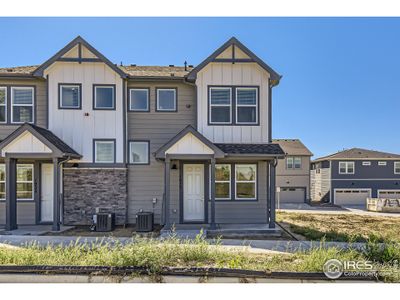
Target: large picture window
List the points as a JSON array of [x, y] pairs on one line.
[[3, 104], [70, 96], [22, 102]]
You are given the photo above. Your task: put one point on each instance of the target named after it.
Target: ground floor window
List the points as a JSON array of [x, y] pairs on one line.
[[24, 182], [245, 181], [223, 181]]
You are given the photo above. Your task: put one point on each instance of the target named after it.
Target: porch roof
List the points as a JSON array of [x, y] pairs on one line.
[[269, 149]]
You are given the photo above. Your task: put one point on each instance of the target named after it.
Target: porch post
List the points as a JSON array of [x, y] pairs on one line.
[[167, 171], [56, 196], [11, 193], [272, 194], [212, 187], [268, 188]]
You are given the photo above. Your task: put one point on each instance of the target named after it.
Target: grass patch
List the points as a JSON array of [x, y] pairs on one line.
[[343, 227]]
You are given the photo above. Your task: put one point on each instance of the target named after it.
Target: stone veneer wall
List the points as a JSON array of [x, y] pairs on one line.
[[91, 188]]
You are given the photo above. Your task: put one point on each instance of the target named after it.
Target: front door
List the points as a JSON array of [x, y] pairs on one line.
[[193, 192], [46, 195]]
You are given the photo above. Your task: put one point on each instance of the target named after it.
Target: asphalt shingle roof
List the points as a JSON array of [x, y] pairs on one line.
[[293, 147], [272, 149], [358, 153]]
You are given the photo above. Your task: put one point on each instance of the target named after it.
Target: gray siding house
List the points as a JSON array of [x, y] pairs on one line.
[[293, 172], [193, 145], [350, 176]]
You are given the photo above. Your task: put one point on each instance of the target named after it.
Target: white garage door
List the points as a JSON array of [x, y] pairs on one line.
[[291, 195], [389, 194], [351, 197]]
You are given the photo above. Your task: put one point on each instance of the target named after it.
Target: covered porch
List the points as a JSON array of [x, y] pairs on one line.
[[32, 177], [218, 186]]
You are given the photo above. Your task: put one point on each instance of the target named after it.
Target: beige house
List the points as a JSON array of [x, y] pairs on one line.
[[293, 172]]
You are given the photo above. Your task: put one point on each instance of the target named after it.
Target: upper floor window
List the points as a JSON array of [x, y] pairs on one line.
[[139, 99], [104, 151], [381, 163], [166, 100], [22, 102], [293, 163], [397, 167], [366, 163], [3, 104], [346, 167], [104, 96], [233, 105], [70, 96], [139, 152]]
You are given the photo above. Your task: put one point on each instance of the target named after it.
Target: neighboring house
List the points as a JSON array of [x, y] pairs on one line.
[[350, 176], [192, 145], [293, 172]]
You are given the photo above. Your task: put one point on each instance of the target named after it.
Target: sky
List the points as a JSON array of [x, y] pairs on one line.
[[341, 76]]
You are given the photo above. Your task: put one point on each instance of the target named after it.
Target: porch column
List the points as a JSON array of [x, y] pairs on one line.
[[11, 193], [167, 171], [268, 188], [272, 181], [56, 196], [212, 187]]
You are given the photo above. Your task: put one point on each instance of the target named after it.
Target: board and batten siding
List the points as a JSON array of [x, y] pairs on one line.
[[238, 74], [40, 103], [71, 125], [146, 182]]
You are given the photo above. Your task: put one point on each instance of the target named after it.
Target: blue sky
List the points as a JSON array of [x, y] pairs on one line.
[[341, 76]]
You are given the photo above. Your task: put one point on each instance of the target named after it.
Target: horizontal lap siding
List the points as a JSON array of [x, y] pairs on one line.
[[146, 182], [25, 213], [40, 102]]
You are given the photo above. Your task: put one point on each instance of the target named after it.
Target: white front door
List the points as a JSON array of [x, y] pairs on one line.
[[193, 192], [46, 198]]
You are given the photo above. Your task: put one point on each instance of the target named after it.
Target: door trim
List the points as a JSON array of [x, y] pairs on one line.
[[206, 187], [39, 195]]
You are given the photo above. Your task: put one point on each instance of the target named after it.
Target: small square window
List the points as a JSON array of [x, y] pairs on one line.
[[104, 97], [139, 100], [166, 100], [139, 152], [70, 96], [104, 151]]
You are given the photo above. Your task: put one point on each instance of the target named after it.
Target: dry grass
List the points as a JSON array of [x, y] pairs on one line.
[[342, 227]]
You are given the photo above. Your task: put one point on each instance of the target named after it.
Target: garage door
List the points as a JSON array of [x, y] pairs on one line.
[[389, 194], [351, 197], [291, 195]]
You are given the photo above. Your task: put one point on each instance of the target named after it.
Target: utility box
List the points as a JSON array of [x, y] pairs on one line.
[[104, 221], [144, 221]]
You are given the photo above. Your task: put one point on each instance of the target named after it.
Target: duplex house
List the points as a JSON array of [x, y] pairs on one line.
[[293, 172], [192, 145], [350, 176]]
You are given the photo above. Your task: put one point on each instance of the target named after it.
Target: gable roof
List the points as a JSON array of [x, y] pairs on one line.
[[236, 43], [77, 41], [358, 153], [160, 153], [58, 146], [293, 147]]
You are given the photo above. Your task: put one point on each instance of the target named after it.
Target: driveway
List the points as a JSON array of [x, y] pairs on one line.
[[354, 209]]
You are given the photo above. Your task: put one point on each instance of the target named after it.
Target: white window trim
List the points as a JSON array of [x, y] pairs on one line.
[[95, 96], [394, 167], [95, 151], [245, 105], [246, 181], [3, 166], [27, 181], [347, 163], [293, 159], [147, 102], [5, 104], [294, 163], [220, 105], [158, 99], [366, 163], [61, 96], [224, 181], [148, 151], [382, 163], [22, 105]]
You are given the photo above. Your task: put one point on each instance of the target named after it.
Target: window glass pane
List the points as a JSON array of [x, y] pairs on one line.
[[245, 172], [220, 96], [289, 162], [104, 97], [350, 167], [222, 172], [139, 153], [247, 114], [245, 190], [222, 189], [22, 96], [22, 114], [70, 96], [139, 100], [24, 190], [397, 167], [24, 173], [166, 99], [2, 190], [2, 172], [246, 96], [2, 96], [220, 114], [24, 182], [297, 162], [105, 151], [2, 113], [342, 167]]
